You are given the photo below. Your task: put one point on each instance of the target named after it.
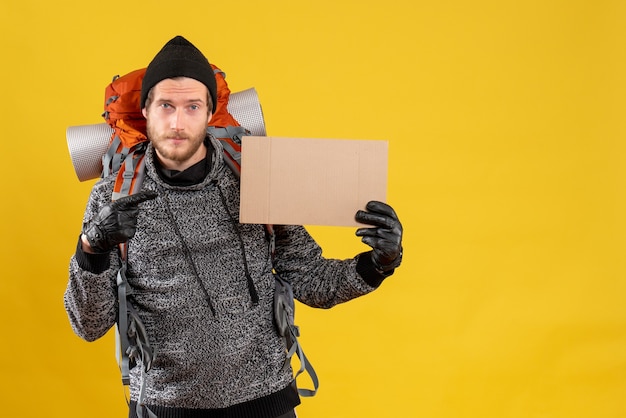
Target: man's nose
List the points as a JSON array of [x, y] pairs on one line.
[[177, 121]]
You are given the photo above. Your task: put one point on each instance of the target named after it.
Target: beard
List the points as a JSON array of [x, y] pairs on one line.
[[176, 153]]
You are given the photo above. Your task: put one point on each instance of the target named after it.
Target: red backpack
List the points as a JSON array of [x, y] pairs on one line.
[[125, 156]]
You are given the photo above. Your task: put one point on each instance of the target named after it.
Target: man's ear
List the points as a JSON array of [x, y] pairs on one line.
[[143, 112], [210, 116]]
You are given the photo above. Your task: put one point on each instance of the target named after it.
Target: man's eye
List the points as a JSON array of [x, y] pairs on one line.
[[194, 107], [165, 105]]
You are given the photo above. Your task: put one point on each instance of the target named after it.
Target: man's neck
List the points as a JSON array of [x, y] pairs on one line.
[[192, 174]]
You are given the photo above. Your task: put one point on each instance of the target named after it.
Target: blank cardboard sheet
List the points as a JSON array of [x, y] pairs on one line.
[[305, 181]]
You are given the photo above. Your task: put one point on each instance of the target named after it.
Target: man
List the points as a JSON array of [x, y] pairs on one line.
[[202, 283]]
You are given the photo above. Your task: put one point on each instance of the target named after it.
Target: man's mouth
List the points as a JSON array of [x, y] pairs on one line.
[[177, 139]]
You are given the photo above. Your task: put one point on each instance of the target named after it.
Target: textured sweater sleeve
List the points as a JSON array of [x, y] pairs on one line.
[[91, 296], [317, 281]]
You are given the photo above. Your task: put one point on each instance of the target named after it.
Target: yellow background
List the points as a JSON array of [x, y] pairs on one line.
[[507, 168]]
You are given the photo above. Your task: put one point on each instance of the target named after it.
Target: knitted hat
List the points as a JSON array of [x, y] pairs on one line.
[[179, 58]]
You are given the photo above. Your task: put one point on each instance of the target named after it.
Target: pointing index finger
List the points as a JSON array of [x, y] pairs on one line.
[[134, 200]]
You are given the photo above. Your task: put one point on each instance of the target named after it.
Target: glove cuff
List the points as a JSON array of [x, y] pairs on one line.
[[95, 238], [382, 269], [93, 263], [367, 270]]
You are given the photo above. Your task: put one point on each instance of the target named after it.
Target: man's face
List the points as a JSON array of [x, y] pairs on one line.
[[177, 118]]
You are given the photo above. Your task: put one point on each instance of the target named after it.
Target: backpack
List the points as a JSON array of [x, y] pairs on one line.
[[125, 156]]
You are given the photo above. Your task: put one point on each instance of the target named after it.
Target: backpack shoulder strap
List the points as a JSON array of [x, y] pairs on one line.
[[284, 315]]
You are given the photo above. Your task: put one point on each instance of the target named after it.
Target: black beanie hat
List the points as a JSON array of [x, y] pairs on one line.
[[179, 58]]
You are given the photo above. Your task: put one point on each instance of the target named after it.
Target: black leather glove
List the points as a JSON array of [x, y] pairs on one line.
[[386, 236], [116, 222]]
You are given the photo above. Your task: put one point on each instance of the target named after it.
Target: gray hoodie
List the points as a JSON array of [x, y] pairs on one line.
[[215, 347]]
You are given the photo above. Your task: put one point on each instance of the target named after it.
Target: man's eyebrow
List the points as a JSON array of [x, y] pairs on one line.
[[168, 100]]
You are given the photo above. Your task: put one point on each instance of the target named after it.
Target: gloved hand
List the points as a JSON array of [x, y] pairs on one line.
[[385, 239], [115, 223]]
